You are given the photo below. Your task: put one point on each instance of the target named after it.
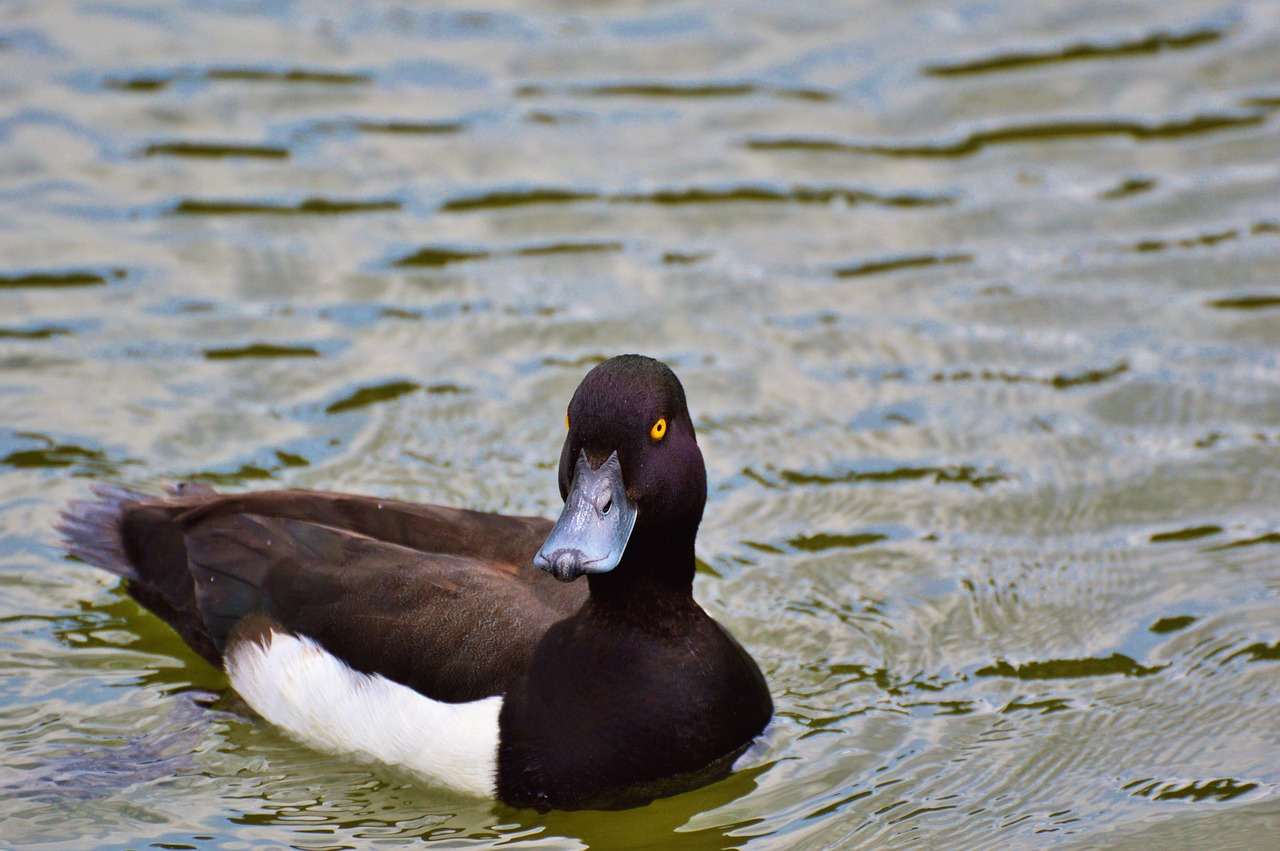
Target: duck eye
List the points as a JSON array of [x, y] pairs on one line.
[[659, 429]]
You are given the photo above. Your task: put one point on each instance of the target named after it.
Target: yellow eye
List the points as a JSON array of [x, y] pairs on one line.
[[566, 421], [659, 429]]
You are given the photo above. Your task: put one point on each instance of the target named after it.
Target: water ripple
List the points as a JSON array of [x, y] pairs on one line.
[[314, 206], [1151, 43], [1048, 130]]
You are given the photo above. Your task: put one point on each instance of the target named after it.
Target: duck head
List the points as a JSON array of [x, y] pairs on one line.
[[631, 474]]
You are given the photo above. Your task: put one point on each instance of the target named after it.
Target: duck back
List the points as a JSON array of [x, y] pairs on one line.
[[442, 600]]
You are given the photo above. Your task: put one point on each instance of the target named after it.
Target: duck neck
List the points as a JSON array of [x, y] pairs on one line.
[[655, 572]]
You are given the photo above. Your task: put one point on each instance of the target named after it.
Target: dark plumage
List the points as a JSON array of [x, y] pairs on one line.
[[616, 689]]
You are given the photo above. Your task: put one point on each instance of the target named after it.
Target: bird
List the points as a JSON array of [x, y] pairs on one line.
[[545, 664]]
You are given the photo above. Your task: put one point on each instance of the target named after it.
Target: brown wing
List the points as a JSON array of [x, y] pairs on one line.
[[443, 600]]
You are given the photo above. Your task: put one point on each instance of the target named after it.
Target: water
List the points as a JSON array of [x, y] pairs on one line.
[[978, 310]]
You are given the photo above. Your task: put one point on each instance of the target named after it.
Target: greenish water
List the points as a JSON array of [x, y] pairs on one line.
[[978, 309]]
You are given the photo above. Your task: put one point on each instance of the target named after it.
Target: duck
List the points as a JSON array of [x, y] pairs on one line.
[[544, 664]]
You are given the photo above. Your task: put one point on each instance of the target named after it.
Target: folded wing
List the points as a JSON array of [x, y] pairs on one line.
[[441, 600]]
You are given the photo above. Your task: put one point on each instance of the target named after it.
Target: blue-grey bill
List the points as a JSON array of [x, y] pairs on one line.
[[594, 526]]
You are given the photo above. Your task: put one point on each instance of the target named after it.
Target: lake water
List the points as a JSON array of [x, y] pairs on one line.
[[977, 305]]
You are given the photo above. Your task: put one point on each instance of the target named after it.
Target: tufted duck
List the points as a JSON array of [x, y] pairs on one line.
[[440, 640]]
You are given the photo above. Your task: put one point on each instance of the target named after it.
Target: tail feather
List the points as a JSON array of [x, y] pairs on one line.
[[91, 529], [132, 534]]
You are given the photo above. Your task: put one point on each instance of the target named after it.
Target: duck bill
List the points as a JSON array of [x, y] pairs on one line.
[[594, 526]]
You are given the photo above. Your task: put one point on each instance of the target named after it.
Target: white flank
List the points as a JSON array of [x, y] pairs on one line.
[[297, 685]]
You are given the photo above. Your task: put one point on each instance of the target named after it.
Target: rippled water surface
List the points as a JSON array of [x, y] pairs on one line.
[[977, 305]]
